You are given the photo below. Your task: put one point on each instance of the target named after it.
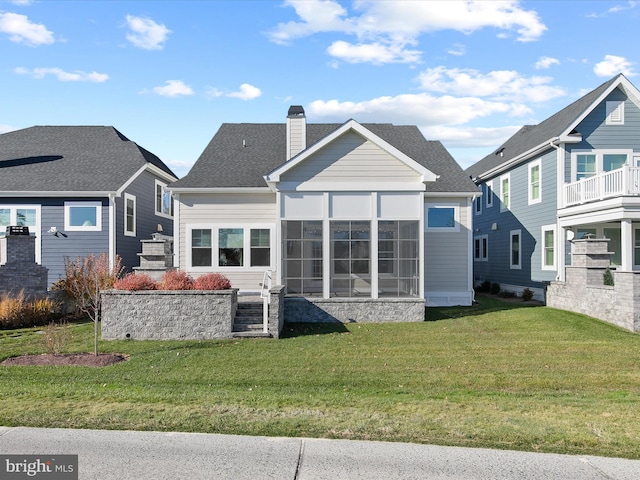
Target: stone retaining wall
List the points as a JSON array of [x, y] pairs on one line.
[[618, 304], [168, 315], [347, 310], [583, 290]]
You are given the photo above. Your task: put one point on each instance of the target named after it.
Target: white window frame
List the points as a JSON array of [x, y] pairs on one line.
[[599, 153], [130, 233], [477, 205], [483, 250], [614, 112], [82, 228], [456, 217], [532, 165], [246, 239], [543, 230], [163, 186], [503, 207], [636, 245], [13, 220], [489, 194], [512, 265]]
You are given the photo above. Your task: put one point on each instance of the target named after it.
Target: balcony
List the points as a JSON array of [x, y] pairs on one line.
[[623, 181]]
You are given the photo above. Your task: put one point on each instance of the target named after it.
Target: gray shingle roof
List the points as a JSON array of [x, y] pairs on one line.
[[70, 159], [239, 155], [531, 136]]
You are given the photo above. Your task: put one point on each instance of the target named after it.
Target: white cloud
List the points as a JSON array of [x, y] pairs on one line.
[[6, 128], [546, 62], [145, 33], [376, 53], [76, 76], [471, 137], [387, 27], [246, 92], [502, 85], [619, 8], [173, 88], [613, 65], [316, 15], [21, 30], [419, 109], [457, 49]]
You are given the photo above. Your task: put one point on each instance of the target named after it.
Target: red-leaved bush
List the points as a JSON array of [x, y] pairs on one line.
[[212, 281], [135, 281], [176, 280]]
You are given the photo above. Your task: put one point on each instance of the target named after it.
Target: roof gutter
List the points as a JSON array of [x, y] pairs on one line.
[[220, 190], [40, 193]]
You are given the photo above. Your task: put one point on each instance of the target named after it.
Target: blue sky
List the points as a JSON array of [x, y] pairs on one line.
[[168, 73]]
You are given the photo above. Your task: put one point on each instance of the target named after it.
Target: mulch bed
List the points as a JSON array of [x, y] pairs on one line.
[[71, 359]]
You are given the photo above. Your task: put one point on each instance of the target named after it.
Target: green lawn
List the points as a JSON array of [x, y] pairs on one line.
[[495, 375]]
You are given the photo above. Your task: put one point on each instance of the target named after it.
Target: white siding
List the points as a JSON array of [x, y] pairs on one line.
[[350, 158], [447, 258], [226, 208]]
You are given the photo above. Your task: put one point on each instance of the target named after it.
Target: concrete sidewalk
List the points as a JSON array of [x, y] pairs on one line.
[[124, 455]]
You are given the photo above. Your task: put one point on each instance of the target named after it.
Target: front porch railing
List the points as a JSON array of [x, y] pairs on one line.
[[616, 183]]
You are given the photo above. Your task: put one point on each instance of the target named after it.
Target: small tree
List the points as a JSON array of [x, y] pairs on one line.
[[85, 278]]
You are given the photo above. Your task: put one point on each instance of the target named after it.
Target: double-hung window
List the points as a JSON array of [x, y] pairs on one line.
[[489, 193], [481, 248], [229, 247], [515, 260], [549, 247], [505, 192], [535, 182], [129, 215], [164, 202]]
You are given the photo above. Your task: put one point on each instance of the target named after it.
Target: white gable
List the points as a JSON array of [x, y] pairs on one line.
[[351, 158]]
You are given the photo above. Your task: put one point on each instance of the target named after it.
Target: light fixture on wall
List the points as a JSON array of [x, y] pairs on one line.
[[54, 231], [494, 226]]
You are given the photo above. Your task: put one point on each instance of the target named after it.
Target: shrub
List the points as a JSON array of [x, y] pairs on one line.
[[176, 280], [55, 337], [527, 294], [212, 281], [84, 279], [607, 278], [135, 281], [484, 287], [495, 288], [19, 312], [507, 294]]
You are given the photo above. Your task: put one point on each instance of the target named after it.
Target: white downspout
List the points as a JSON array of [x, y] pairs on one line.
[[561, 231], [112, 230]]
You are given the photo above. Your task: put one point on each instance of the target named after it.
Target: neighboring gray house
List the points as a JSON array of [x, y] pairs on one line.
[[82, 190], [335, 211], [576, 173]]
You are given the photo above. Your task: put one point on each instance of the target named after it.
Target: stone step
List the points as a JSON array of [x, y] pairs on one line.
[[250, 334]]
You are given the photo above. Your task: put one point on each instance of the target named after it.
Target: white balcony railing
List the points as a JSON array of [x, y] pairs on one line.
[[616, 183]]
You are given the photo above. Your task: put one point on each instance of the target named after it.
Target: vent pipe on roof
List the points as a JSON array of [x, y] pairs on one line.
[[296, 131]]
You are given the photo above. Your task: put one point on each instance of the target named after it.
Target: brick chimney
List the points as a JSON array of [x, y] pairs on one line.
[[296, 131]]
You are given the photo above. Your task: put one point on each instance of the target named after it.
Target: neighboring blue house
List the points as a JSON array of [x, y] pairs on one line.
[[82, 190], [576, 173]]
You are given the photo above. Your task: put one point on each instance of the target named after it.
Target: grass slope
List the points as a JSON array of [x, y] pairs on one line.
[[495, 375]]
